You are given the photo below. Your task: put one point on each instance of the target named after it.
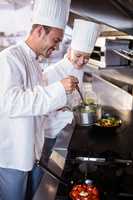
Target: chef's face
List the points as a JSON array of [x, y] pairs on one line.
[[78, 58], [49, 41]]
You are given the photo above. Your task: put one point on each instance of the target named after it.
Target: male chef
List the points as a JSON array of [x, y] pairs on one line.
[[24, 100]]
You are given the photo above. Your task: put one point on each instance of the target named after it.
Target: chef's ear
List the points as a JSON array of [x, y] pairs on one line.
[[40, 30]]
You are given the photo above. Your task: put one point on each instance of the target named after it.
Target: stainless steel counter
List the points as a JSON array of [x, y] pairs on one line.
[[111, 95], [48, 186], [123, 75]]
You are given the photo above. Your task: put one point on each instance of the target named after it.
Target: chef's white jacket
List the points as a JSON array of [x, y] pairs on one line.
[[23, 103], [57, 120]]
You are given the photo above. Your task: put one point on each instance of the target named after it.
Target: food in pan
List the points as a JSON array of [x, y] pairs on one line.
[[109, 122], [84, 192]]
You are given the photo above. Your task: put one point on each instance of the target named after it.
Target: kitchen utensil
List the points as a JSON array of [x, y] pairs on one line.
[[86, 115], [70, 184], [54, 175], [109, 123], [81, 96]]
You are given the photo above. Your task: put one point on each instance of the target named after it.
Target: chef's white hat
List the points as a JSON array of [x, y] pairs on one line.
[[84, 35], [53, 13]]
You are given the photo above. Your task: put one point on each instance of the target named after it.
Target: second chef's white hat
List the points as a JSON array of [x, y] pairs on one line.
[[53, 13], [84, 35]]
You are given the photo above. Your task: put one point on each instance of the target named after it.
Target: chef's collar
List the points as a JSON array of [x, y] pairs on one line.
[[29, 51]]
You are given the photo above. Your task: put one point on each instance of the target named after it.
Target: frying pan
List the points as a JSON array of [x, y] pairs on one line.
[[69, 184]]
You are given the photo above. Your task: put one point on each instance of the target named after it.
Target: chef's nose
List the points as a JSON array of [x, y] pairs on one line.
[[81, 60], [56, 46]]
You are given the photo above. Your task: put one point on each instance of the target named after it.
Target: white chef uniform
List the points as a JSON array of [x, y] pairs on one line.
[[89, 31], [25, 100], [23, 97], [56, 121]]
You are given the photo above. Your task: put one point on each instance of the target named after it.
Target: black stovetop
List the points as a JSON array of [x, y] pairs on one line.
[[113, 174]]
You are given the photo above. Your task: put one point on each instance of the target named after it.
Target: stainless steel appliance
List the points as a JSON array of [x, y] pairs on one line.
[[104, 54], [87, 115]]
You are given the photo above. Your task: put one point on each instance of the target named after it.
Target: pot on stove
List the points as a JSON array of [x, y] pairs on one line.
[[86, 115]]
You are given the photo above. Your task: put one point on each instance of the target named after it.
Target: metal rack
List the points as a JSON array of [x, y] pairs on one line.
[[123, 54]]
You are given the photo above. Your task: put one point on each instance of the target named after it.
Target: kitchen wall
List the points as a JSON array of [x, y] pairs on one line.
[[12, 21]]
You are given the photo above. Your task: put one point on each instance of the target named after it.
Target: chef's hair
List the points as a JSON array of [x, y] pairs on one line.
[[47, 28]]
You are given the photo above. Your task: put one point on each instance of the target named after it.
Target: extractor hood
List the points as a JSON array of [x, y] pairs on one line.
[[115, 13]]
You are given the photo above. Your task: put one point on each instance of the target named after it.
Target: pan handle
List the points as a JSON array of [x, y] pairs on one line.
[[54, 175]]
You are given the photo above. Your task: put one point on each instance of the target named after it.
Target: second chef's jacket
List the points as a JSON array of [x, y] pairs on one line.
[[56, 121]]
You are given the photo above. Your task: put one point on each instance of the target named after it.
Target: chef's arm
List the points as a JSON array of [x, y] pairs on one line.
[[17, 101], [39, 101]]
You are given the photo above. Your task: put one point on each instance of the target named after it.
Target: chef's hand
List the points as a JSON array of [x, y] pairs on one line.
[[70, 83]]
